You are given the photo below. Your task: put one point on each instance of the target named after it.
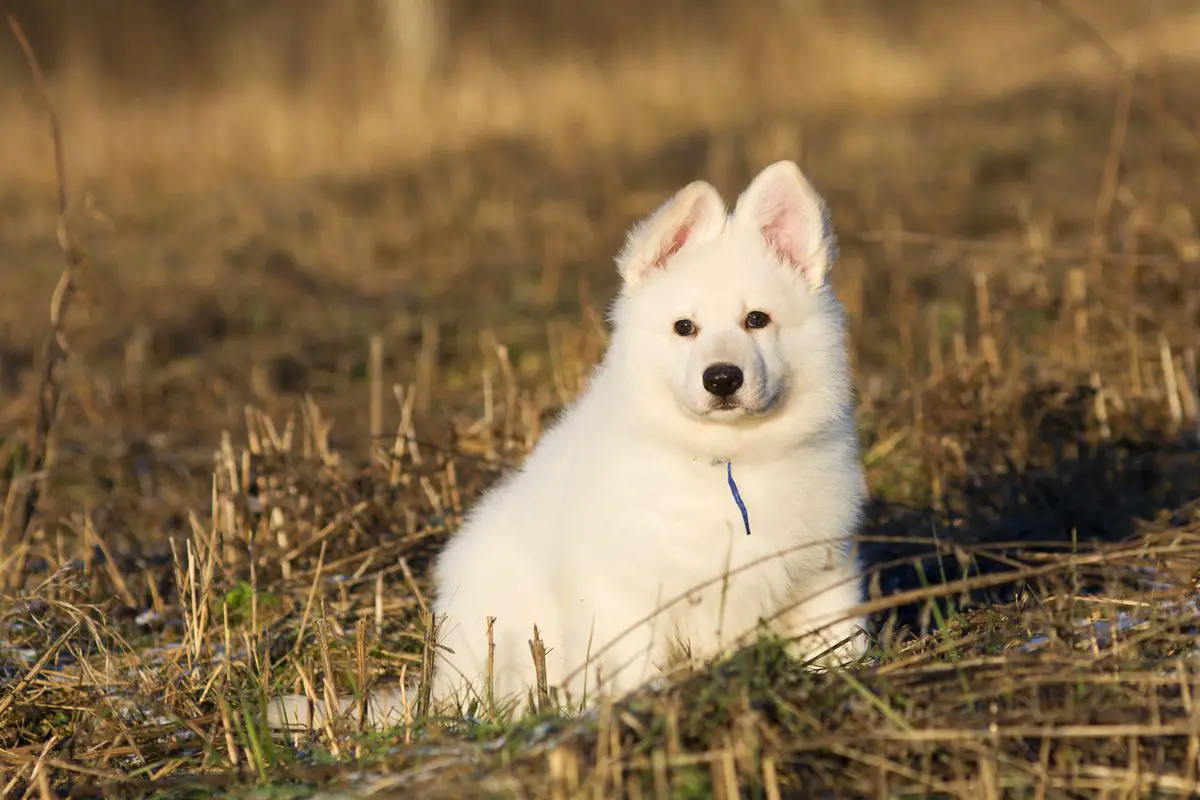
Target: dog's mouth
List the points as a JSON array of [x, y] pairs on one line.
[[734, 407], [728, 404], [727, 415], [728, 408]]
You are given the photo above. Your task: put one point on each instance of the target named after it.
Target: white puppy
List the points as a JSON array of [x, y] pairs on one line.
[[712, 461]]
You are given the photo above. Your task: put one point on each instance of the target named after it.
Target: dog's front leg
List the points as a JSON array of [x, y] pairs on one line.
[[822, 626]]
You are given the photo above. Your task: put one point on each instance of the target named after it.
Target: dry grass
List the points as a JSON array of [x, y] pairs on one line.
[[219, 520]]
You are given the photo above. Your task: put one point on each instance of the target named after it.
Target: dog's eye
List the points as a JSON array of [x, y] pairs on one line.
[[685, 327], [758, 319]]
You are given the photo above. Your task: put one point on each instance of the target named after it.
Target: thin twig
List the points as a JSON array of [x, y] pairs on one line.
[[1111, 174], [54, 349], [1087, 30]]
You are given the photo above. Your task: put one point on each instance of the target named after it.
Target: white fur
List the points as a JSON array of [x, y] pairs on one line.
[[624, 504]]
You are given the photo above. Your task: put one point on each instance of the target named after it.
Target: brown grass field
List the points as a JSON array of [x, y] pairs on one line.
[[318, 294]]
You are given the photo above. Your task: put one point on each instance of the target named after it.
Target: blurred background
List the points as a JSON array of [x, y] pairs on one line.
[[282, 85]]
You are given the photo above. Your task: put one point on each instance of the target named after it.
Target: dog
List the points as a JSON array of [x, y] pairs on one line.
[[705, 486]]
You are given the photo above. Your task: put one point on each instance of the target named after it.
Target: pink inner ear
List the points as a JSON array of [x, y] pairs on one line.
[[674, 244], [782, 231]]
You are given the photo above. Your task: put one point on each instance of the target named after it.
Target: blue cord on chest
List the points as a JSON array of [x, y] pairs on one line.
[[737, 496]]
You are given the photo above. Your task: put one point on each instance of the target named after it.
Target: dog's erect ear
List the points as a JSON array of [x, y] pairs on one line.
[[696, 213], [793, 218]]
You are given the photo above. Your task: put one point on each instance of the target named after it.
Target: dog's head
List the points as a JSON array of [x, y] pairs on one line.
[[730, 315]]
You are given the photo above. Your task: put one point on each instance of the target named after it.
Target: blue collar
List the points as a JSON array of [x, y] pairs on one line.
[[737, 496]]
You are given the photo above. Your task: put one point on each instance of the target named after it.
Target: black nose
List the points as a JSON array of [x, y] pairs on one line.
[[723, 379]]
